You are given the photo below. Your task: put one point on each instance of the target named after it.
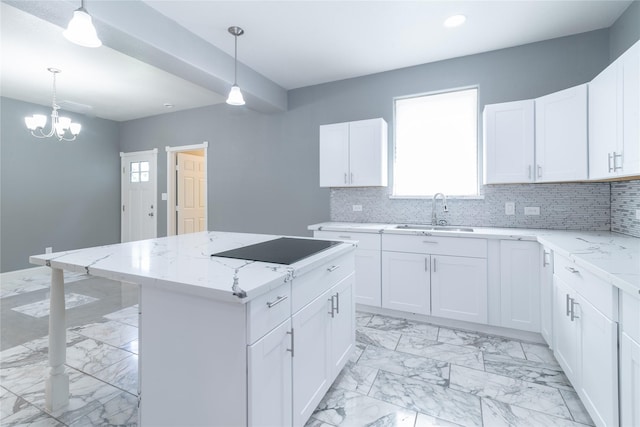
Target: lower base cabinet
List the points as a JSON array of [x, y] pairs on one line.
[[629, 381], [406, 282], [546, 295]]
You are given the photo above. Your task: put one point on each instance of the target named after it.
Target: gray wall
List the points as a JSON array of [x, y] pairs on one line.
[[625, 31], [60, 194]]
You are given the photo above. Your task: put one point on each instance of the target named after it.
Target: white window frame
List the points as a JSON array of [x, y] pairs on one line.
[[479, 193]]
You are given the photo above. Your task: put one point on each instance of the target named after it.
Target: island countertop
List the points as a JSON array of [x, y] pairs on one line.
[[184, 262]]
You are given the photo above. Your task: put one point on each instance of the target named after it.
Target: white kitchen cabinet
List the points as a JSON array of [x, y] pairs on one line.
[[459, 288], [561, 135], [354, 154], [509, 142], [368, 289], [406, 282], [546, 295], [269, 368], [520, 285], [441, 276], [586, 338], [629, 381], [614, 118], [321, 348]]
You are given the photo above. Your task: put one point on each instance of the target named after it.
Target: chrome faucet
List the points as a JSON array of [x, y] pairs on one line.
[[434, 217]]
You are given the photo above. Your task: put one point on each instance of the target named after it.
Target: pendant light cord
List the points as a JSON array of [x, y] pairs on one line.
[[235, 61]]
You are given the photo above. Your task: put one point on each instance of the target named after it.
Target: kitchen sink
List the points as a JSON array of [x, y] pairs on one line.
[[434, 227]]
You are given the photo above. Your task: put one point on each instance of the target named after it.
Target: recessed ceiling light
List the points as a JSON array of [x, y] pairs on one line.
[[168, 105], [454, 21]]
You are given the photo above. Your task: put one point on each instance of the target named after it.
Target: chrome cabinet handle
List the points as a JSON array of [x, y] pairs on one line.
[[426, 264], [338, 302], [545, 254], [333, 308], [333, 268], [615, 156], [529, 171], [568, 305], [345, 177], [539, 171], [573, 270], [430, 242], [573, 311], [609, 161], [351, 177], [291, 349], [277, 301], [345, 237], [434, 265]]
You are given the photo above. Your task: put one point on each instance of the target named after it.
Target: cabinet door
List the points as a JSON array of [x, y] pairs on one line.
[[269, 388], [598, 353], [629, 381], [334, 155], [368, 270], [604, 110], [630, 160], [343, 337], [509, 142], [368, 153], [520, 285], [561, 135], [405, 282], [459, 288], [546, 295], [311, 358], [565, 341]]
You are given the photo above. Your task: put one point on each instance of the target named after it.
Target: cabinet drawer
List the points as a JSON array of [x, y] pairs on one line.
[[365, 240], [456, 246], [630, 315], [309, 286], [602, 295], [267, 311]]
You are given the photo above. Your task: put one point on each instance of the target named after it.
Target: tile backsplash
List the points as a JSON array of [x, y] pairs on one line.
[[625, 201], [575, 206]]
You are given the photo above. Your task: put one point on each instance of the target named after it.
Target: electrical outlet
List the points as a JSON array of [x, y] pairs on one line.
[[357, 208], [510, 208], [532, 210], [638, 214], [48, 250]]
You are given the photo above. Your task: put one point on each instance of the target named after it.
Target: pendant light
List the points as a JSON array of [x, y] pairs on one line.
[[81, 30], [235, 96]]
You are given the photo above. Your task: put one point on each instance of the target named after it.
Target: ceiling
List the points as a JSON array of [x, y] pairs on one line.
[[292, 43]]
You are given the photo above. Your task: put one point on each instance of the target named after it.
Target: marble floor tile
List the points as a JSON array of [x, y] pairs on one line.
[[427, 398], [499, 414], [41, 308], [122, 411], [488, 344], [21, 368], [377, 338], [91, 356], [123, 374], [127, 315], [460, 355], [314, 422], [349, 409], [355, 377], [86, 394], [508, 390], [18, 289], [391, 324], [527, 370], [111, 332], [33, 282], [577, 409], [363, 318], [42, 344], [407, 365], [428, 421], [357, 352], [539, 353], [15, 411]]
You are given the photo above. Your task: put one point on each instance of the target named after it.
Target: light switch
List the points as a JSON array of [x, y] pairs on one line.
[[532, 210], [510, 208], [357, 208], [164, 196]]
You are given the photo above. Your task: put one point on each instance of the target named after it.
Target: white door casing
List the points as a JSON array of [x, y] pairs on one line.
[[191, 189], [138, 194]]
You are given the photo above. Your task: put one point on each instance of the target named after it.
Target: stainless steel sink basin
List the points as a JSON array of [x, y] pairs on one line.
[[434, 227]]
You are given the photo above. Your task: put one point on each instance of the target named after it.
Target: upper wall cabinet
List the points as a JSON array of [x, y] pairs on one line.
[[508, 142], [354, 154], [614, 118], [561, 136]]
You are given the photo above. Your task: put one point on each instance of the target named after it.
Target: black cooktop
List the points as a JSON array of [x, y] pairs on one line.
[[284, 250]]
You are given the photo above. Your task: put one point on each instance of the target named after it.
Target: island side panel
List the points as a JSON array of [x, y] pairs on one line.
[[193, 360]]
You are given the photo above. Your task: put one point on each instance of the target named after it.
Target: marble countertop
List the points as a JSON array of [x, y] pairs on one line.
[[184, 263], [613, 257]]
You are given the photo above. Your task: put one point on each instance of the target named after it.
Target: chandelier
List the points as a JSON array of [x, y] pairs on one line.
[[61, 127]]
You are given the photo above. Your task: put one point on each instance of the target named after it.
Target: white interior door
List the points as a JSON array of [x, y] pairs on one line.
[[191, 199], [138, 196]]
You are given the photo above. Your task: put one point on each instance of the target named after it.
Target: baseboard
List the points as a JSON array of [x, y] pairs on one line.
[[19, 274], [532, 337]]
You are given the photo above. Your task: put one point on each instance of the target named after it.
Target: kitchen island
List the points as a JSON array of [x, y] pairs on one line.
[[222, 341]]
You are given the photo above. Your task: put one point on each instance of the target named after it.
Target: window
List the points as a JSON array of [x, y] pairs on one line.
[[139, 172], [436, 144]]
